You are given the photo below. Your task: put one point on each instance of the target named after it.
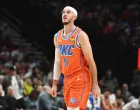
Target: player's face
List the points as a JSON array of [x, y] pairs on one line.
[[67, 16]]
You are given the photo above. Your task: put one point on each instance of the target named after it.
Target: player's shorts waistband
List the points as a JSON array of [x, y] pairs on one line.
[[76, 73]]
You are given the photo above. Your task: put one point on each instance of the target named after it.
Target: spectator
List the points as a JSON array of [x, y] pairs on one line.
[[35, 83], [31, 101], [135, 84], [14, 80], [2, 91], [59, 101], [118, 93], [119, 103], [27, 87], [102, 86], [132, 105], [4, 54], [15, 54], [10, 99], [49, 78], [125, 92], [109, 28], [21, 54], [112, 101], [43, 99], [47, 89], [3, 103], [110, 81], [105, 105]]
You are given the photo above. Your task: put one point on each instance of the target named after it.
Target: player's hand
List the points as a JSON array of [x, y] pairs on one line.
[[96, 92], [54, 91]]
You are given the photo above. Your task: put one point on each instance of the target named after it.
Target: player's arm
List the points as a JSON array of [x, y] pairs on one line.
[[57, 64], [87, 50]]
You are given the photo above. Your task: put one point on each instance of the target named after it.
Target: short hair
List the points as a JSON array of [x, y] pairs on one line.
[[108, 89], [10, 87]]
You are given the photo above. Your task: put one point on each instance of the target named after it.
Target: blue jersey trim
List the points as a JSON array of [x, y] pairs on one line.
[[69, 35]]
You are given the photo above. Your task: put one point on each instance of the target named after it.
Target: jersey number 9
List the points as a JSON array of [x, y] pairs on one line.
[[65, 61]]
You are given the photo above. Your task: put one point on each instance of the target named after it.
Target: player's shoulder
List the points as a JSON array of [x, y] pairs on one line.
[[57, 33], [81, 31], [83, 35]]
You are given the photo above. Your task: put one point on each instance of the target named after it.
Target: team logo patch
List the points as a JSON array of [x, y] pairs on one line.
[[72, 39], [72, 100]]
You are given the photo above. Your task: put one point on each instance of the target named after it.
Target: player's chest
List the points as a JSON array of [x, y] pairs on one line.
[[66, 49]]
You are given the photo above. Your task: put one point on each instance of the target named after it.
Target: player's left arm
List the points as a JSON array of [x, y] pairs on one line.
[[87, 50]]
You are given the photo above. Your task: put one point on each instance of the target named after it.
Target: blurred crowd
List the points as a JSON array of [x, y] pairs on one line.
[[26, 78], [116, 24], [115, 96]]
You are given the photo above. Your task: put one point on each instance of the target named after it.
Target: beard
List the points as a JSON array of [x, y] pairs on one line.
[[66, 23], [69, 21]]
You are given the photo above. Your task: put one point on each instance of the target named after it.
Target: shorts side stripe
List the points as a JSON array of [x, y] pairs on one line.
[[83, 89]]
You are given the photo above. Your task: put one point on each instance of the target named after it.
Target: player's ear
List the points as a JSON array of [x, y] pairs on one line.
[[75, 17]]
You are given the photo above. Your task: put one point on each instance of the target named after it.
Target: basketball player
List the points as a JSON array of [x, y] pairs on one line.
[[73, 53]]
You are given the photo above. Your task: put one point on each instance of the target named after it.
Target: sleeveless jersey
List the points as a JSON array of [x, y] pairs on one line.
[[72, 57]]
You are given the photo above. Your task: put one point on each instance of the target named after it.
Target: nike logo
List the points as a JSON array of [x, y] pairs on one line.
[[78, 79]]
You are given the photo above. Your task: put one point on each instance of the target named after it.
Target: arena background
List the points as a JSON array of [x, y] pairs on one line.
[[113, 27]]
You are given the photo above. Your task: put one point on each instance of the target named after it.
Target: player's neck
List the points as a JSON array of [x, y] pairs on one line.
[[68, 28]]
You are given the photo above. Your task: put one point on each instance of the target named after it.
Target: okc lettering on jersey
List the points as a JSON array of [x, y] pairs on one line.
[[66, 50]]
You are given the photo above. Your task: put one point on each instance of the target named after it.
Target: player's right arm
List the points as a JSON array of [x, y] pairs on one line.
[[57, 69]]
